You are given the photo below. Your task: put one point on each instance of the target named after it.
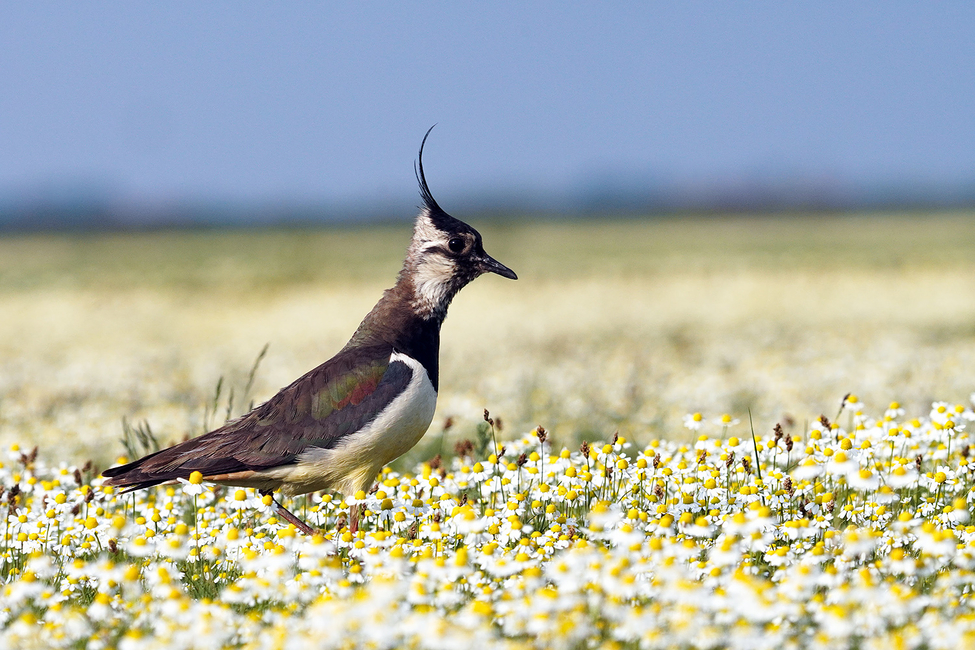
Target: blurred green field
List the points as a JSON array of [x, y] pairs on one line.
[[613, 325], [543, 249]]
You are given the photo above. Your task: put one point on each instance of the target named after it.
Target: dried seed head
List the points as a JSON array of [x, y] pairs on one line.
[[778, 432], [435, 462], [464, 448], [522, 459], [917, 462], [787, 485], [616, 436], [731, 460], [656, 460], [584, 448], [788, 443], [503, 451], [658, 491], [825, 422], [447, 424], [542, 433], [487, 416], [497, 424], [746, 462]]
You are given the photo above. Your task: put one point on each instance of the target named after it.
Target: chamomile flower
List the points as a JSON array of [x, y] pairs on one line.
[[725, 421], [694, 421], [711, 543]]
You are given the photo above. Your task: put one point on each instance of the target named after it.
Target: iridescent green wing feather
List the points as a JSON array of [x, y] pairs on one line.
[[319, 409]]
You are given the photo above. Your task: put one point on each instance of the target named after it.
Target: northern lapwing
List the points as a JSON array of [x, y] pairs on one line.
[[337, 426]]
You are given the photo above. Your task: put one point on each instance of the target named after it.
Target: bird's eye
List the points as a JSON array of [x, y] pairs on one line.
[[456, 245]]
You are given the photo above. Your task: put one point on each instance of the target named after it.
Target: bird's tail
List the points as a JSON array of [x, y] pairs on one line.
[[132, 476]]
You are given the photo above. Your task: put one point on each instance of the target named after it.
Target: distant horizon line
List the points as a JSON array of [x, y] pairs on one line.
[[104, 211]]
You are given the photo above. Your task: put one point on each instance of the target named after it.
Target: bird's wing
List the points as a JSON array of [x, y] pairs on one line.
[[318, 410]]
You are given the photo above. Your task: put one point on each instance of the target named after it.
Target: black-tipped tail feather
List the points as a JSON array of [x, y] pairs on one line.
[[132, 477]]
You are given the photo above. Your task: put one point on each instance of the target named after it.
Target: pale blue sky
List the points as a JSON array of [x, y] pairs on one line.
[[302, 102]]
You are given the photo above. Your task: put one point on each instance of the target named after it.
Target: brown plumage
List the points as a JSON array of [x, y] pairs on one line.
[[317, 410]]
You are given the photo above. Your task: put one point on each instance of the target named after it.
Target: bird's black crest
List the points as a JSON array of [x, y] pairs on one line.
[[428, 200], [440, 219]]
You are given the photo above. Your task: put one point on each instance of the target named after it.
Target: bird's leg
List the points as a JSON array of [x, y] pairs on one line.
[[287, 515]]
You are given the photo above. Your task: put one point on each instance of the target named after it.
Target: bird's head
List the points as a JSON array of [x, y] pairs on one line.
[[445, 253]]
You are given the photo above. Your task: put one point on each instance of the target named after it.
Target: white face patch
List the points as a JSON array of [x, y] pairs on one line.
[[432, 280], [425, 233], [433, 273]]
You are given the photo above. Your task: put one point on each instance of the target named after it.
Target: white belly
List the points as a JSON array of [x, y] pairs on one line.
[[354, 463]]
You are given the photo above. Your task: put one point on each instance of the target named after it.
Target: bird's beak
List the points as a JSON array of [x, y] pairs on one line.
[[488, 264]]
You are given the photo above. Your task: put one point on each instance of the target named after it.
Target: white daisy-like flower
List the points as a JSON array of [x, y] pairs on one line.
[[694, 421]]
